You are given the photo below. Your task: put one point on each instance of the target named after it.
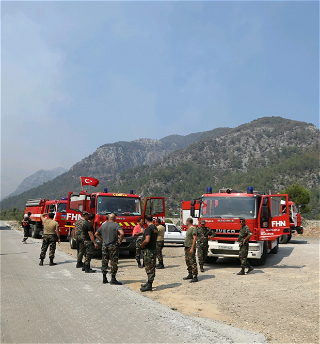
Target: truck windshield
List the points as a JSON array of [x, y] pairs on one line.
[[118, 205], [62, 207], [228, 207]]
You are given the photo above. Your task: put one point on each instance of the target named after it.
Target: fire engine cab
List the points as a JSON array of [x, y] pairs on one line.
[[263, 215], [126, 207], [40, 206]]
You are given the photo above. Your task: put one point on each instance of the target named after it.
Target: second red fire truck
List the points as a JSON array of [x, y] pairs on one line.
[[263, 213]]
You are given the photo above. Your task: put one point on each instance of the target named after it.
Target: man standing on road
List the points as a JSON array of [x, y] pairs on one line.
[[80, 238], [26, 227], [50, 237], [160, 244], [89, 242], [137, 235], [149, 246], [202, 243], [244, 237], [111, 235], [190, 251]]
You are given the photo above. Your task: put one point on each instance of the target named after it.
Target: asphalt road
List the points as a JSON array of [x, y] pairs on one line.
[[61, 304]]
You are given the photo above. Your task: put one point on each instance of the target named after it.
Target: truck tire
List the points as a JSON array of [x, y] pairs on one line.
[[283, 239], [276, 248], [34, 231], [132, 253], [211, 259], [72, 241], [263, 259], [289, 237]]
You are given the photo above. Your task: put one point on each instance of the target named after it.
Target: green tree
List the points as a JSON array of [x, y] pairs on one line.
[[300, 196]]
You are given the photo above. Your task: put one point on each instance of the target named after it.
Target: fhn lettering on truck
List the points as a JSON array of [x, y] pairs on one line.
[[73, 217]]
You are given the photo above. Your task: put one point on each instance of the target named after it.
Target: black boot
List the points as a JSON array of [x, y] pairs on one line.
[[241, 272], [83, 267], [160, 266], [114, 281], [51, 262], [79, 265], [194, 279], [87, 269], [104, 278], [148, 287], [41, 262], [139, 264], [143, 264], [250, 268], [188, 277], [201, 268], [144, 284]]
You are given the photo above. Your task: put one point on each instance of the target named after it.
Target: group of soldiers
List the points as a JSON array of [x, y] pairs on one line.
[[149, 242]]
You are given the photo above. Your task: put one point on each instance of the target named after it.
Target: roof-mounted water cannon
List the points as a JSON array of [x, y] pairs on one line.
[[131, 192], [209, 190], [105, 190]]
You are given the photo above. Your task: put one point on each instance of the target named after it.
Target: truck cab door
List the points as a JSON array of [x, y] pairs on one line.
[[272, 221], [155, 206], [77, 203]]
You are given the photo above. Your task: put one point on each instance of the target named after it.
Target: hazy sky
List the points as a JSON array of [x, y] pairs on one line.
[[77, 75]]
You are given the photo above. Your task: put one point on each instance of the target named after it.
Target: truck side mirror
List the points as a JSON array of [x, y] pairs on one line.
[[192, 211], [92, 201], [264, 216]]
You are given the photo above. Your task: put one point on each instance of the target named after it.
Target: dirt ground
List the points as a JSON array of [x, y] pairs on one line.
[[279, 299]]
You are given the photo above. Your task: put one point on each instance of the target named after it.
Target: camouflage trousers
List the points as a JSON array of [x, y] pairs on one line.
[[243, 254], [48, 240], [150, 264], [112, 254], [80, 247], [88, 252], [138, 248], [191, 261], [159, 248], [202, 251]]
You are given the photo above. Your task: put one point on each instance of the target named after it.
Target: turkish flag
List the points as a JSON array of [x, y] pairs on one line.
[[89, 181]]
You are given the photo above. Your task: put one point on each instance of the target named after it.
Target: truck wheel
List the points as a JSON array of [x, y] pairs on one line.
[[211, 259], [34, 231], [283, 239], [132, 253], [289, 237], [276, 248], [263, 259], [72, 241]]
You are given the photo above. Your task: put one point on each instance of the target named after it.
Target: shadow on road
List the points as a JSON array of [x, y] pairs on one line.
[[167, 286]]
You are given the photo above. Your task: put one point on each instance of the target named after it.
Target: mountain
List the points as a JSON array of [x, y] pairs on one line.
[[37, 179], [269, 153], [104, 164]]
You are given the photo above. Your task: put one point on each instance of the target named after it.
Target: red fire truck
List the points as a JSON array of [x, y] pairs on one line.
[[40, 206], [185, 213], [126, 207], [295, 221], [263, 215]]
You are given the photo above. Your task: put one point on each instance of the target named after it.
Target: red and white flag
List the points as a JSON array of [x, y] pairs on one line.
[[89, 181]]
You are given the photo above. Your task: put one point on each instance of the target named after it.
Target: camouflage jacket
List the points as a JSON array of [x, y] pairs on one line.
[[244, 232], [78, 226], [203, 233]]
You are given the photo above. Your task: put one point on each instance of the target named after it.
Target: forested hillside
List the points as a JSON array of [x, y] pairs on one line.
[[269, 153]]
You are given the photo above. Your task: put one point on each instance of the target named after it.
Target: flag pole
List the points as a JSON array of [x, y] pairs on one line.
[[81, 184]]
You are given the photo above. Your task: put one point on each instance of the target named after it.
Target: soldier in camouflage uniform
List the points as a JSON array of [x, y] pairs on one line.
[[89, 242], [160, 243], [243, 239], [190, 251], [202, 243], [111, 235], [138, 235], [149, 245], [80, 238], [50, 237]]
